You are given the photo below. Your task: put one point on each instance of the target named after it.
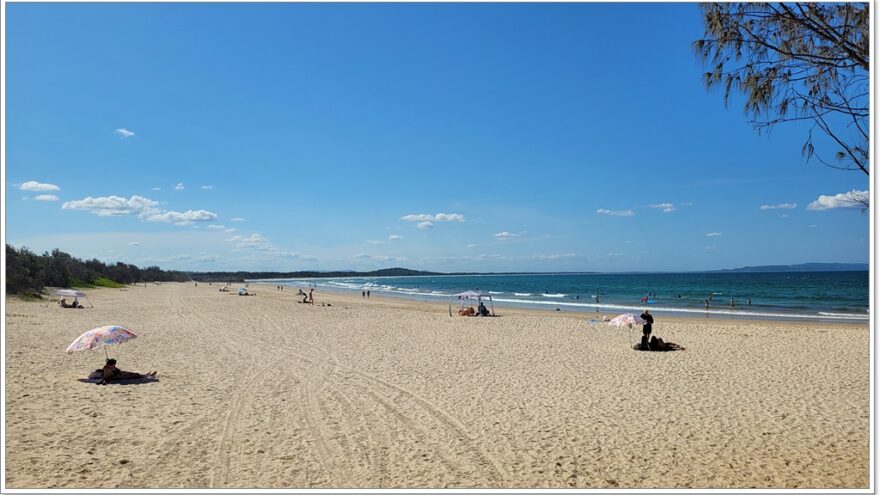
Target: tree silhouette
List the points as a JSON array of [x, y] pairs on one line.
[[793, 62]]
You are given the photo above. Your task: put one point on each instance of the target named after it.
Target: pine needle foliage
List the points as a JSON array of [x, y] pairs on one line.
[[795, 62]]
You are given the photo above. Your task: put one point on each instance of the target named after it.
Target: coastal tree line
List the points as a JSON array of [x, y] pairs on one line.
[[28, 273]]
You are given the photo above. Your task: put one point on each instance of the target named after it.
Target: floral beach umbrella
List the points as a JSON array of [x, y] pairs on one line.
[[101, 336], [628, 320]]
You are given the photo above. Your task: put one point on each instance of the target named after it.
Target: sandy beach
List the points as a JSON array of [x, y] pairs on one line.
[[264, 392]]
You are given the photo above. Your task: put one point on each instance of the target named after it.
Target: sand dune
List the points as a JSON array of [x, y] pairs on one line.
[[263, 392]]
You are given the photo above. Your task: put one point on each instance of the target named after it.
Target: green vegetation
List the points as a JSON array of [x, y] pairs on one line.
[[28, 273], [79, 284], [106, 282], [795, 62]]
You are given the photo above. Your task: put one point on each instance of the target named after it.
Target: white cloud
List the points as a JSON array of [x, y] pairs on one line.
[[616, 213], [179, 186], [157, 188], [107, 206], [216, 227], [134, 243], [425, 225], [46, 197], [714, 234], [439, 217], [665, 207], [207, 187], [182, 218], [236, 219], [395, 237], [813, 226], [33, 185], [552, 257], [471, 245], [781, 206], [850, 199], [784, 215], [230, 229], [504, 235], [124, 133], [144, 208], [371, 241], [253, 241], [451, 217], [417, 218]]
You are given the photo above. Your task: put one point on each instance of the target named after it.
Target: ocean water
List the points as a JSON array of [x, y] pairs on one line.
[[839, 296]]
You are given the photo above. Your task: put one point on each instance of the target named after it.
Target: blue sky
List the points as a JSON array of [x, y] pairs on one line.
[[445, 137]]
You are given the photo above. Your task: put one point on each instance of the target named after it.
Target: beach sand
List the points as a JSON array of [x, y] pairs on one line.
[[263, 392]]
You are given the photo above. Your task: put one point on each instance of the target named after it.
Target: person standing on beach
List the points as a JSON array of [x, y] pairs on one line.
[[363, 294], [368, 294], [311, 299], [649, 320]]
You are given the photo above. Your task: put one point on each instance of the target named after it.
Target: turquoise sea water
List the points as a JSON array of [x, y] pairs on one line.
[[794, 295]]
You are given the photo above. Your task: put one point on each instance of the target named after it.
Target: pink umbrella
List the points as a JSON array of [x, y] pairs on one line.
[[628, 320], [101, 336]]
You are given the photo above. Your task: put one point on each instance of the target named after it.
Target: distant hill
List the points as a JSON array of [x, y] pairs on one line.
[[804, 267]]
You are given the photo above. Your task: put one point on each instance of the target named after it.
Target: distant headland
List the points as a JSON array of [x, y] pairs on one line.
[[803, 267]]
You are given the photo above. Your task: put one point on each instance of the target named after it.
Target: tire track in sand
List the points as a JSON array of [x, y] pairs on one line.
[[416, 416]]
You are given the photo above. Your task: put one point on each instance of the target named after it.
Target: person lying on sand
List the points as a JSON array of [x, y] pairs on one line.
[[657, 344], [111, 373]]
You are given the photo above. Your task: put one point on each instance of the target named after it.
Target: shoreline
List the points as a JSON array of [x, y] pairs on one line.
[[585, 310]]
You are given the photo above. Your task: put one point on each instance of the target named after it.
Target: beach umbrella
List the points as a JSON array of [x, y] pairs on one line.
[[101, 336], [76, 294], [628, 320]]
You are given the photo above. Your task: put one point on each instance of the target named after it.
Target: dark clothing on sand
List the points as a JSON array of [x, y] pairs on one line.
[[646, 328]]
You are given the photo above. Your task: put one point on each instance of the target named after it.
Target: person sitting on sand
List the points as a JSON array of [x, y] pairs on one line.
[[469, 311], [657, 344], [111, 373], [481, 309], [63, 303]]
